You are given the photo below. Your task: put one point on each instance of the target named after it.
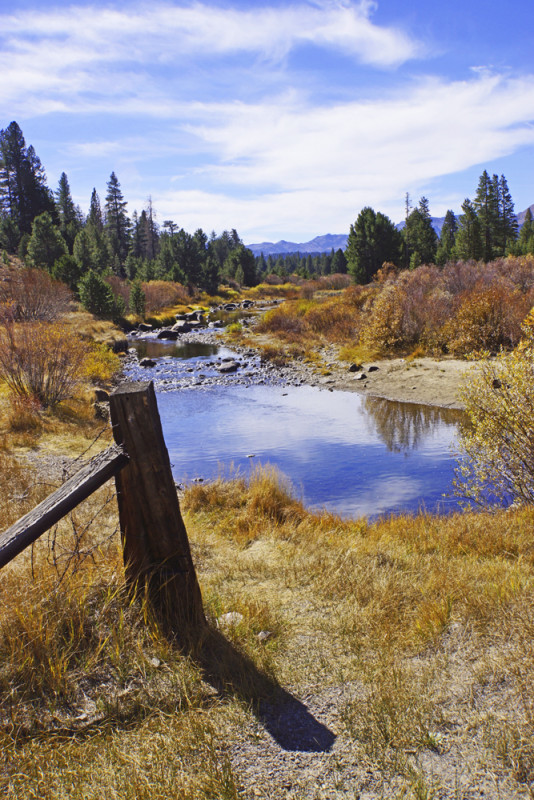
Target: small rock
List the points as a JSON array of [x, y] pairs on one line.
[[264, 635], [230, 619], [144, 326], [155, 662], [373, 369], [360, 377], [497, 384], [355, 367], [147, 362]]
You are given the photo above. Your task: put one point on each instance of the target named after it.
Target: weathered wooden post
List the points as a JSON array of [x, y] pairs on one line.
[[157, 554]]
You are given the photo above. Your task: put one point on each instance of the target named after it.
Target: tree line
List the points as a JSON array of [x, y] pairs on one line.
[[486, 229], [49, 231]]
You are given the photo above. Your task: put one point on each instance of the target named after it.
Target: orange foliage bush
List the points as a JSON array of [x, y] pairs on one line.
[[164, 294], [31, 294], [486, 319]]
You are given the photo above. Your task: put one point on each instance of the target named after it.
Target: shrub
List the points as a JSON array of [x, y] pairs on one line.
[[41, 360], [101, 363], [164, 294], [32, 294], [487, 319], [498, 446]]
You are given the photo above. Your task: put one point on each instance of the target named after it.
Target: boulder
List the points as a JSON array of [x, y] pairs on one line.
[[227, 366], [147, 362], [144, 326], [355, 367], [373, 369], [168, 333], [181, 327]]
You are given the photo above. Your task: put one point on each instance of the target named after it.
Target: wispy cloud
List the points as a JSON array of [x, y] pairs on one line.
[[213, 92], [76, 57]]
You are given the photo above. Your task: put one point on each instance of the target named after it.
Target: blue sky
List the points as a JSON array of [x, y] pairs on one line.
[[280, 119]]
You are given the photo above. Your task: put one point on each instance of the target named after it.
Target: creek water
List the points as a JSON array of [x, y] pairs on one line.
[[341, 451]]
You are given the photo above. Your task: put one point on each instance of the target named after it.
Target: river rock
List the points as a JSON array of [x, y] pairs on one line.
[[360, 377], [168, 333], [181, 327], [355, 367], [373, 369], [227, 366], [147, 362], [144, 326]]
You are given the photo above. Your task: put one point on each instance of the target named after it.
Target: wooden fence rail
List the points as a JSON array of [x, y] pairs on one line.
[[157, 555]]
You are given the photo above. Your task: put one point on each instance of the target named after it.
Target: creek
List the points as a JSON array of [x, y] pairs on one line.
[[341, 451]]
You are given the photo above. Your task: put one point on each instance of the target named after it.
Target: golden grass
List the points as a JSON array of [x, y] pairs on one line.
[[417, 629], [100, 331]]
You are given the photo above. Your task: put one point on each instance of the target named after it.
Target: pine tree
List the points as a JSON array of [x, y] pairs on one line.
[[419, 236], [69, 216], [95, 217], [23, 190], [46, 243], [339, 262], [486, 206], [372, 240], [469, 243], [447, 239], [117, 225], [508, 226], [525, 242]]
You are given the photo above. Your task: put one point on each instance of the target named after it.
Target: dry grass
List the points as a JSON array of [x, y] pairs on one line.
[[415, 631]]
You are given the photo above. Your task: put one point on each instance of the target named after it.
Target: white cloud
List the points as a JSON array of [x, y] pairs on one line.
[[313, 169]]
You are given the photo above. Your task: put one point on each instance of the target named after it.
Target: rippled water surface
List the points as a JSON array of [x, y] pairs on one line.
[[342, 451]]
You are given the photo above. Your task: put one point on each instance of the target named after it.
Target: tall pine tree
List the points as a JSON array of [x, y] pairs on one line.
[[23, 190], [117, 224], [447, 239]]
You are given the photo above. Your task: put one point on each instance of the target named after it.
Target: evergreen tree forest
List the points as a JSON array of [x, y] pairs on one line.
[[109, 246]]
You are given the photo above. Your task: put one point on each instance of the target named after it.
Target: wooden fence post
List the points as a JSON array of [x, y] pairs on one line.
[[157, 554]]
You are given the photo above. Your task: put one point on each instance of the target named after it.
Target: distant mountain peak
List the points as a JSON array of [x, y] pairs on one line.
[[320, 244], [335, 241]]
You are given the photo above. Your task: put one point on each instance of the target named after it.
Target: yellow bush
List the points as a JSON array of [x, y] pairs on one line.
[[100, 364]]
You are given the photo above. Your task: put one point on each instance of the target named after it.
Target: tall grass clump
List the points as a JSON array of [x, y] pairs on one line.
[[42, 360]]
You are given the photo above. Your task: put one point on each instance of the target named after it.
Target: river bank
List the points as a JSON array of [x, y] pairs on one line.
[[424, 381]]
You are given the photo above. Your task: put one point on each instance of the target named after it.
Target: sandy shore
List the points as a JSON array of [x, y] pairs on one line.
[[423, 380]]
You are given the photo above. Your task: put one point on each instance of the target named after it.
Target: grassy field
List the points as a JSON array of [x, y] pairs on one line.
[[403, 648]]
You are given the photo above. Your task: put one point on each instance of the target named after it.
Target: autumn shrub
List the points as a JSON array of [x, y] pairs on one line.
[[381, 331], [333, 319], [31, 294], [41, 360], [498, 445], [163, 294], [334, 282], [286, 320], [486, 319], [101, 363]]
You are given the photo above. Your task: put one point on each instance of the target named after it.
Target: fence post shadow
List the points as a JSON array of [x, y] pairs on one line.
[[233, 674]]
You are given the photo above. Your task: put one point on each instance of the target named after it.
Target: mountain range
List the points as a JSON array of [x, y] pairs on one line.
[[334, 241]]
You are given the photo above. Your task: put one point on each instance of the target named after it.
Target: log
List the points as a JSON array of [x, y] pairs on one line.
[[86, 481], [157, 555]]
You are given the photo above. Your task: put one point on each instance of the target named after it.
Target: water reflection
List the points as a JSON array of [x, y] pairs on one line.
[[404, 426], [157, 348]]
